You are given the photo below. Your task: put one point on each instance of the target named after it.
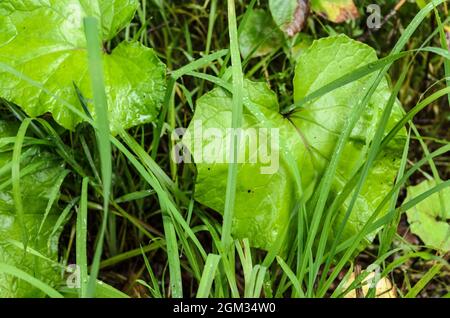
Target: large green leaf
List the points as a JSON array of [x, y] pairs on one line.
[[264, 202], [322, 121], [429, 219], [44, 40], [41, 174]]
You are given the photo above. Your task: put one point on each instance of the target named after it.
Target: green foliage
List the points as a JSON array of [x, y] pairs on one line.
[[337, 164], [260, 213], [265, 201], [22, 238], [429, 218], [47, 44], [322, 121], [260, 36]]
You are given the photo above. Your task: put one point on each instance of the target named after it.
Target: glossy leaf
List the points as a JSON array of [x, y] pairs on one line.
[[45, 41], [322, 121], [426, 218], [41, 174], [265, 202]]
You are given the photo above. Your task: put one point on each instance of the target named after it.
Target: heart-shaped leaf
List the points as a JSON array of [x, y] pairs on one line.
[[265, 199], [45, 41], [41, 176]]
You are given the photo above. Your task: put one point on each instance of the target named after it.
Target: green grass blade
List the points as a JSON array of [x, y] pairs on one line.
[[443, 40], [290, 274], [209, 272], [103, 132], [424, 280], [53, 196], [15, 179], [236, 120], [155, 289], [173, 256], [195, 65], [81, 239]]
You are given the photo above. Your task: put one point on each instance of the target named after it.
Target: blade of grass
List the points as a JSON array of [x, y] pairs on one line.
[[259, 281], [155, 289], [199, 63], [388, 232], [236, 121], [290, 274], [422, 283], [414, 111], [173, 256], [64, 216], [243, 22], [15, 179], [154, 245], [163, 196], [209, 272], [443, 40], [54, 194], [81, 240], [245, 257], [101, 110], [211, 21]]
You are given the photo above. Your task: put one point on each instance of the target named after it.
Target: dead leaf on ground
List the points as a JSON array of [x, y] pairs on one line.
[[384, 287], [300, 16], [290, 15], [336, 11]]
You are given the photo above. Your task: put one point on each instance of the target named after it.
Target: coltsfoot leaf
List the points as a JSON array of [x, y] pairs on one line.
[[45, 41], [265, 200]]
